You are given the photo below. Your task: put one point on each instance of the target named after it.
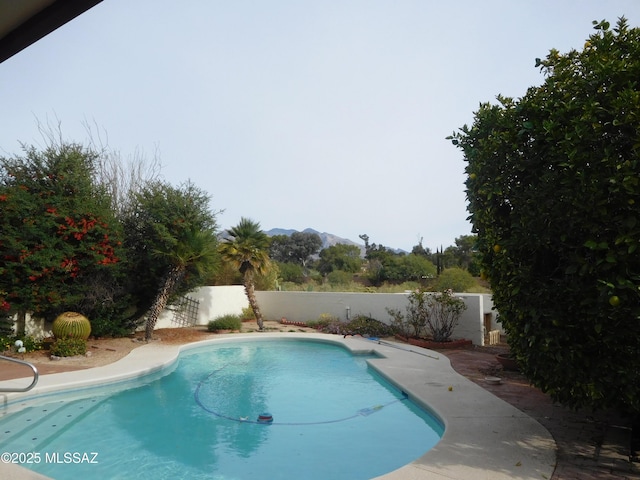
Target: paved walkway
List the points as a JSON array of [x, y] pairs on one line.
[[590, 446]]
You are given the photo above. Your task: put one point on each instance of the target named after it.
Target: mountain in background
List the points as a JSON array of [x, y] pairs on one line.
[[328, 239]]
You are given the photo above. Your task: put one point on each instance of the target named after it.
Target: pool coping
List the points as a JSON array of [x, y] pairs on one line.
[[484, 438]]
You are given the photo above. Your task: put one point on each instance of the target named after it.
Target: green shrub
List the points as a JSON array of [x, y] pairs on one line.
[[339, 277], [434, 313], [113, 319], [456, 279], [291, 272], [69, 347], [6, 325], [335, 327], [553, 193], [396, 288], [106, 327], [226, 322], [30, 344], [248, 313], [359, 325], [323, 321], [6, 343], [369, 327], [444, 313]]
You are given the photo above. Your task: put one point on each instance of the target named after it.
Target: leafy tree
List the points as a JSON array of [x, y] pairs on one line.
[[194, 251], [446, 258], [291, 272], [6, 323], [553, 188], [456, 279], [403, 268], [247, 249], [340, 257], [466, 254], [374, 251], [381, 262], [420, 250], [226, 274], [280, 249], [60, 243], [171, 233], [295, 248], [384, 265]]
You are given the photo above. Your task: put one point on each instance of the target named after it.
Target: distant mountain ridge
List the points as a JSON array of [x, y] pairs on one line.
[[328, 239]]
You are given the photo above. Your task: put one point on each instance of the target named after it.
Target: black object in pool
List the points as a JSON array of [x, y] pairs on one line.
[[265, 418]]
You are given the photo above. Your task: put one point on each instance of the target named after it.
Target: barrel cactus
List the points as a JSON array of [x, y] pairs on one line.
[[71, 325]]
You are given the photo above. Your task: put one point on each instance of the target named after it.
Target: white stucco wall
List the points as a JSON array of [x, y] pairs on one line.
[[304, 306], [214, 302]]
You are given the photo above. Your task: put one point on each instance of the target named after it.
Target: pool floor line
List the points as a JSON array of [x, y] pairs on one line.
[[484, 437]]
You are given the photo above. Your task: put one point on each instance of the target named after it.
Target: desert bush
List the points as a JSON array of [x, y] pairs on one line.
[[322, 322], [400, 324], [434, 314], [444, 313], [339, 277], [359, 325], [412, 323], [225, 322], [6, 325], [395, 287], [29, 343], [456, 279], [248, 313], [5, 343], [369, 327], [335, 327], [107, 326], [69, 347]]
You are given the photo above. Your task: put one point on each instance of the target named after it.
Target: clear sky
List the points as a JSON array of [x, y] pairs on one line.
[[329, 114]]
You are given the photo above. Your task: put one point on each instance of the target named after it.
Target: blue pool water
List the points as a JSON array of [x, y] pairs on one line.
[[333, 417]]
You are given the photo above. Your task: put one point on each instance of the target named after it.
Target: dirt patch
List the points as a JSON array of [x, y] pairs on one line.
[[102, 351]]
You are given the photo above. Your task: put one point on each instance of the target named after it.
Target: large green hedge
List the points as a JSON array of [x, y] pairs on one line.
[[554, 194]]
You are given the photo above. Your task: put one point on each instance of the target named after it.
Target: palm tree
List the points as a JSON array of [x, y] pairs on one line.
[[196, 252], [247, 249]]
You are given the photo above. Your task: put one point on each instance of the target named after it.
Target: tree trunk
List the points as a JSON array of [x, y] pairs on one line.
[[253, 302], [21, 323], [169, 282]]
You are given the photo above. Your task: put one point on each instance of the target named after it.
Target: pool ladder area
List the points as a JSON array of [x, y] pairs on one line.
[[21, 362]]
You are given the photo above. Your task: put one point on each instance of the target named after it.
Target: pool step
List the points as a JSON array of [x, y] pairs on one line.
[[32, 429]]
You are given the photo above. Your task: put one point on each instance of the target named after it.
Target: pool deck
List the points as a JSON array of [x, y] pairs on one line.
[[485, 437]]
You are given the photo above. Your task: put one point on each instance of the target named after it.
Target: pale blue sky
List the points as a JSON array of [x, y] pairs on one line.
[[329, 114]]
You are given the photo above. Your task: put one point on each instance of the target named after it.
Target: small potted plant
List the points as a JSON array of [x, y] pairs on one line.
[[507, 361]]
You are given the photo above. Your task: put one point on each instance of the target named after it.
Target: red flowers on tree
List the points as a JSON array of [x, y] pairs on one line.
[[58, 231]]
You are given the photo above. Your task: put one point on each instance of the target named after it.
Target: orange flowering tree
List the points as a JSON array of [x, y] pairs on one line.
[[60, 245]]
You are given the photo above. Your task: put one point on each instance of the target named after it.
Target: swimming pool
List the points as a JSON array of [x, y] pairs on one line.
[[333, 417]]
